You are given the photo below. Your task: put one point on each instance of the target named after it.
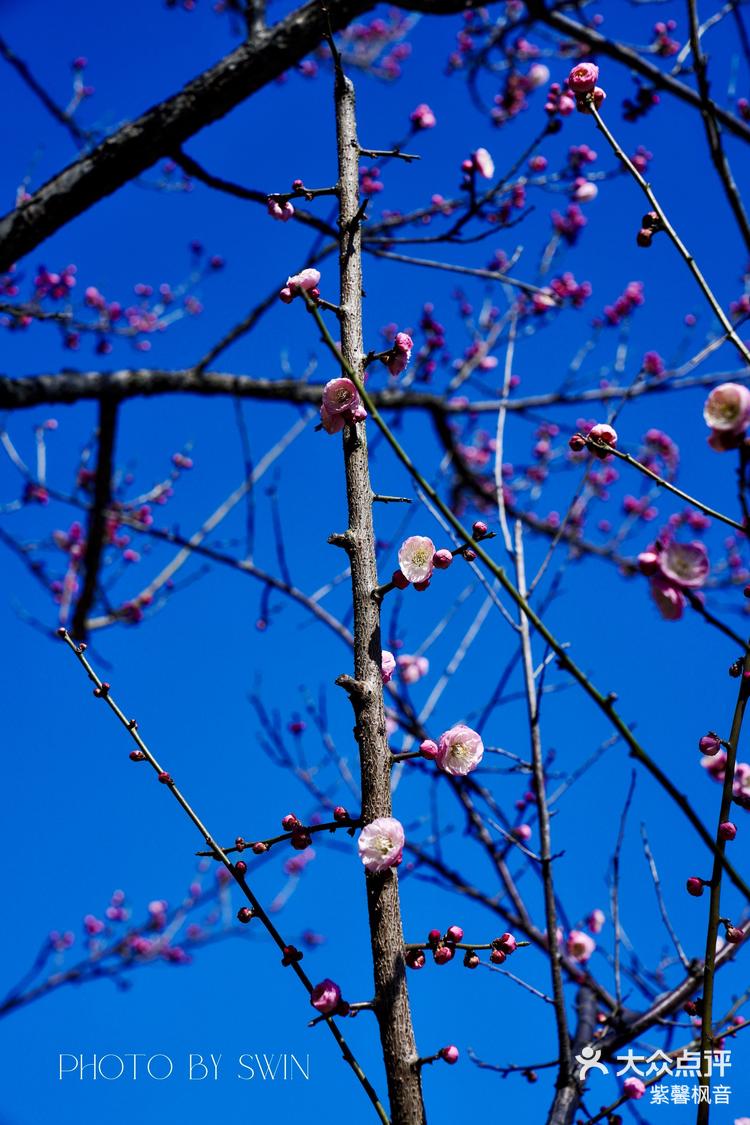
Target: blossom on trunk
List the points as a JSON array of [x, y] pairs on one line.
[[387, 665], [381, 843], [341, 405]]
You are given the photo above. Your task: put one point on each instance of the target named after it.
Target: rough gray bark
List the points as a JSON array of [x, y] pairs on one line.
[[366, 688]]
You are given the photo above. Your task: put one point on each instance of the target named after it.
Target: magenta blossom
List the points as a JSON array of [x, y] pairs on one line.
[[634, 1088], [400, 354], [579, 946], [583, 78], [381, 843], [685, 564], [460, 750], [670, 600], [326, 996], [387, 665], [415, 558], [422, 117], [483, 163]]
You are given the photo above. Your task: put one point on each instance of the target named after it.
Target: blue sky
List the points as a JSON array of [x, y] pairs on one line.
[[80, 821]]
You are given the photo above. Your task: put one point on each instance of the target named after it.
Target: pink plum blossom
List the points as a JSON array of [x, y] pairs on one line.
[[381, 843], [282, 212], [341, 405], [460, 750], [422, 117], [387, 665], [483, 163], [603, 432], [634, 1088], [595, 921], [584, 191], [415, 558], [579, 946], [306, 280], [583, 77], [400, 354], [326, 996], [670, 600], [685, 564], [538, 75], [727, 408], [412, 668]]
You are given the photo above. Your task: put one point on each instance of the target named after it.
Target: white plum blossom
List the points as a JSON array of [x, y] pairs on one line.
[[415, 558]]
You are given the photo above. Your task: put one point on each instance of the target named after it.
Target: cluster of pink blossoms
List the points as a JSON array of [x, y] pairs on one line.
[[422, 117], [672, 568], [727, 413], [714, 761], [306, 281], [280, 210], [411, 668], [580, 88], [341, 406]]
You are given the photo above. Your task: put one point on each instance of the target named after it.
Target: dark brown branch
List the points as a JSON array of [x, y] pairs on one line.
[[67, 387], [97, 525], [165, 127], [713, 133]]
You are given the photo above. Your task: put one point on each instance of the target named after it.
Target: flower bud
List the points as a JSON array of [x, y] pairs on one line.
[[244, 914], [710, 744], [442, 559], [428, 749], [454, 933], [449, 1054], [415, 959], [695, 886], [727, 830]]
